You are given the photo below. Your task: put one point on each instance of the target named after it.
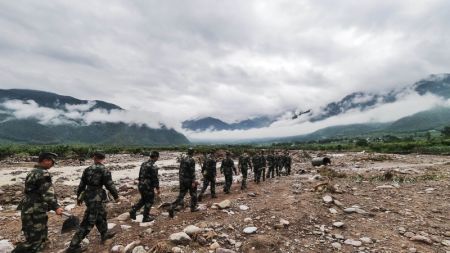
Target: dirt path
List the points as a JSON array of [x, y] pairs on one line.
[[402, 211]]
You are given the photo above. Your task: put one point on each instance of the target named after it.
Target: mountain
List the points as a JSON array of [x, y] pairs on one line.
[[52, 100], [210, 123], [31, 130], [434, 119], [438, 85]]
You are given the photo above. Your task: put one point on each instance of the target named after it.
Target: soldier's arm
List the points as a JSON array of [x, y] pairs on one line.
[[109, 184], [154, 177], [82, 185], [192, 165], [221, 166], [49, 192]]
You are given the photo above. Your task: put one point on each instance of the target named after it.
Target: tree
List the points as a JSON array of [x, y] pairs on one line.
[[446, 132]]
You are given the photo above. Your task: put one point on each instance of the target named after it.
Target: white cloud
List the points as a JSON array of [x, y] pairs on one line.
[[226, 59], [407, 104]]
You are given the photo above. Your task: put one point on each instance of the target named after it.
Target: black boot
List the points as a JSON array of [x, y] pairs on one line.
[[194, 209], [75, 250], [107, 236], [172, 212], [148, 218], [133, 215], [213, 195]]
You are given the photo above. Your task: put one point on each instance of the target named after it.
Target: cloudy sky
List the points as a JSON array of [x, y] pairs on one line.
[[227, 59]]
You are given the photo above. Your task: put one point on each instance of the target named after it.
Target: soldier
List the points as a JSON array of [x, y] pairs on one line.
[[271, 163], [209, 172], [227, 169], [287, 162], [92, 193], [148, 182], [278, 164], [38, 200], [187, 183], [244, 164], [255, 163], [262, 164]]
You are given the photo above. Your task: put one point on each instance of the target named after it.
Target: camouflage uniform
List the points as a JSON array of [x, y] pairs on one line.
[[244, 165], [271, 163], [287, 163], [92, 182], [39, 198], [255, 163], [148, 181], [227, 169], [209, 172], [262, 167], [187, 179], [278, 164]]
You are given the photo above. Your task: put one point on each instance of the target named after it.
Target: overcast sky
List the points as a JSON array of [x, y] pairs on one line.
[[227, 59]]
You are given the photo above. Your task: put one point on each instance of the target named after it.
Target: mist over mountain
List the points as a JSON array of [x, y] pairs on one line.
[[30, 116], [437, 85]]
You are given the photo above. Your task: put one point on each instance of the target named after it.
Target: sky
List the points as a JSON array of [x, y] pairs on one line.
[[233, 60]]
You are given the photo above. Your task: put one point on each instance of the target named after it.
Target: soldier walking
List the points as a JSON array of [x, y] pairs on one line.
[[262, 166], [148, 182], [94, 196], [227, 169], [38, 200], [243, 165], [255, 163], [271, 163], [209, 172], [278, 164], [287, 162], [187, 183]]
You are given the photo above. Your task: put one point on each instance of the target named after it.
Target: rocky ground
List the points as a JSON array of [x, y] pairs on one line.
[[360, 203]]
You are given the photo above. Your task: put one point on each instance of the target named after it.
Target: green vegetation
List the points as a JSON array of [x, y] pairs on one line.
[[429, 142]]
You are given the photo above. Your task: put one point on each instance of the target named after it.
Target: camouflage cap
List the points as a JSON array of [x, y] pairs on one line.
[[99, 155], [154, 154], [47, 155]]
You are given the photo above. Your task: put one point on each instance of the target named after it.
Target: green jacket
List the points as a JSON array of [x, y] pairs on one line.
[[39, 192], [92, 182]]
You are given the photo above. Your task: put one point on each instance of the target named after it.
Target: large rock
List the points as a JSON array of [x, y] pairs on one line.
[[117, 249], [177, 250], [130, 247], [327, 199], [420, 238], [224, 204], [192, 230], [353, 242], [139, 249], [339, 224], [243, 207], [180, 238], [123, 217], [214, 246], [222, 250], [6, 246], [250, 230]]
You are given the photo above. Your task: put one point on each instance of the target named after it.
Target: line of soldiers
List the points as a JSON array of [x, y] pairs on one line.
[[40, 196]]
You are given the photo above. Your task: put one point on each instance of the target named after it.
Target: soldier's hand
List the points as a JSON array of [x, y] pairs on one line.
[[79, 202], [158, 192], [59, 211]]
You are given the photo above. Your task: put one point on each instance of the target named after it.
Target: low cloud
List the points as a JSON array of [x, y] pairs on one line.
[[81, 114], [407, 104]]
